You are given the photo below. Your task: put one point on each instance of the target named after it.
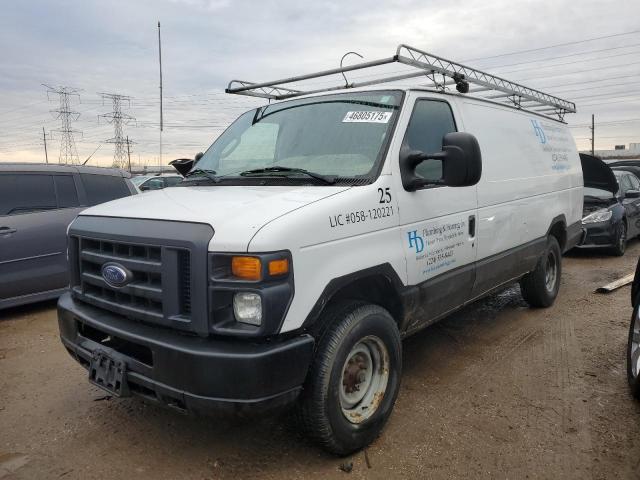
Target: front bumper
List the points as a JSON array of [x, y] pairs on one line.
[[601, 234], [202, 375]]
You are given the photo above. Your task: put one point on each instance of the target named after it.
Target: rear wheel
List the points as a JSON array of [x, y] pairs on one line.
[[620, 245], [540, 287], [354, 379], [633, 353]]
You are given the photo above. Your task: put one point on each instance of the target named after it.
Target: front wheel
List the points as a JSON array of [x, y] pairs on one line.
[[540, 287], [354, 379], [620, 245], [633, 353]]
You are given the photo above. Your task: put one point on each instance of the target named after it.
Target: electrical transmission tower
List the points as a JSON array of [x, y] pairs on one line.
[[117, 118], [68, 151]]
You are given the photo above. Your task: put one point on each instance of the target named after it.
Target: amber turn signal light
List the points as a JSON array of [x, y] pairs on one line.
[[246, 268], [279, 267]]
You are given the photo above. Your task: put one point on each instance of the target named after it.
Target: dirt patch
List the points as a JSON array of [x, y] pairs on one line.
[[496, 391]]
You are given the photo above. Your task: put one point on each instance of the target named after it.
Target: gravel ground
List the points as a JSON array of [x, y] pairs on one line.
[[495, 391]]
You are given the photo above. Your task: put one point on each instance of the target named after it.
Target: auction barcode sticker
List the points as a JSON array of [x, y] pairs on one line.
[[368, 117]]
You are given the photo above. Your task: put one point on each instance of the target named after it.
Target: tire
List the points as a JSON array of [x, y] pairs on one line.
[[621, 240], [633, 353], [331, 407], [540, 287]]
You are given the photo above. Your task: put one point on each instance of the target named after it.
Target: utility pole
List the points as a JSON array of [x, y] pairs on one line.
[[129, 153], [117, 118], [68, 151], [44, 138], [160, 63], [593, 134]]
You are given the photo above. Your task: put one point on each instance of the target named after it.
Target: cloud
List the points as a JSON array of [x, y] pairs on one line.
[[112, 47]]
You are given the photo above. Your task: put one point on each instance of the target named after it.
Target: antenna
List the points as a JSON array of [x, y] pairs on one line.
[[89, 157], [161, 115]]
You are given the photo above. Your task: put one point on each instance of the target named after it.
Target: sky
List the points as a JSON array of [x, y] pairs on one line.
[[587, 52]]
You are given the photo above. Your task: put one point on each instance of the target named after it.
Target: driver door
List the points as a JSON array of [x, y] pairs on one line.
[[437, 224]]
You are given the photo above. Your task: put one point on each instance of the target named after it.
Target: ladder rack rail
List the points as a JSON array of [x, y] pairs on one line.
[[425, 65]]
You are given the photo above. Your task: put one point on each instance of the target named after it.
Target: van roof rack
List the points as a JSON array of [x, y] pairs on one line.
[[440, 71]]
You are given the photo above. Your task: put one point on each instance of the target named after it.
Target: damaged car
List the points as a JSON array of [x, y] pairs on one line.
[[611, 211]]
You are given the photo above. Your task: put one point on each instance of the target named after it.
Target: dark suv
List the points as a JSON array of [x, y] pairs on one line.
[[37, 203]]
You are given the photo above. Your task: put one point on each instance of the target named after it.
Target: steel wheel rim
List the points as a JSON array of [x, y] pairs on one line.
[[634, 351], [550, 271], [364, 379]]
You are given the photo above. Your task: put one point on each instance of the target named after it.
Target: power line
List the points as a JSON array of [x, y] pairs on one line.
[[610, 102], [623, 84], [68, 151], [568, 63], [590, 70], [117, 118], [613, 122], [566, 44], [567, 56], [44, 139], [583, 82]]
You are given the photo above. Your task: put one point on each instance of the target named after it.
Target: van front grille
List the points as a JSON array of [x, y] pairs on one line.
[[152, 269]]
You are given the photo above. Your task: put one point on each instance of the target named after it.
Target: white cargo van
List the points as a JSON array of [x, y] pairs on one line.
[[318, 231]]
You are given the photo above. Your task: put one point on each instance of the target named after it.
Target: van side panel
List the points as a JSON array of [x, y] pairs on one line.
[[531, 175], [348, 232]]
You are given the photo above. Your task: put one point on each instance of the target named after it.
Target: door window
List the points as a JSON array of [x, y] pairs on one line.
[[103, 188], [153, 184], [26, 193], [430, 121], [171, 181], [635, 183], [66, 191], [625, 184]]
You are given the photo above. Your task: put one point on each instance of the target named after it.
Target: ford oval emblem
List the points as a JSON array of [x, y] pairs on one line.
[[116, 275]]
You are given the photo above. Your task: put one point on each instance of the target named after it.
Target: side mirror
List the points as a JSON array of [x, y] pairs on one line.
[[632, 194], [461, 163], [182, 165]]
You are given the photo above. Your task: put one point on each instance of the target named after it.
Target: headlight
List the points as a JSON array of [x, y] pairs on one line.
[[247, 308], [598, 216]]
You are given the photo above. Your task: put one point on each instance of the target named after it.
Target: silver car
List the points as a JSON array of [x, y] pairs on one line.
[[37, 203], [155, 182]]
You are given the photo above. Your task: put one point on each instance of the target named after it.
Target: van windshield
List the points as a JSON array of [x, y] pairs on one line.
[[334, 135]]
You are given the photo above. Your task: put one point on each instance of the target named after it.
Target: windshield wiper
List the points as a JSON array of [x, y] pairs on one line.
[[210, 174], [277, 170]]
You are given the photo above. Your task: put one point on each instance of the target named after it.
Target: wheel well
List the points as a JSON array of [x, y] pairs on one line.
[[376, 289], [559, 230]]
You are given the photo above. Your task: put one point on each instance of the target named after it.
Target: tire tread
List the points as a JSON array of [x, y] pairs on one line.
[[311, 411], [532, 285]]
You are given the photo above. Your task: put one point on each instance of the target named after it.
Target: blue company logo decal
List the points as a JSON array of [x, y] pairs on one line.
[[115, 275], [416, 241], [539, 131]]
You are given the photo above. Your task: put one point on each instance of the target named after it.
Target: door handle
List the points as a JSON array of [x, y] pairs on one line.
[[7, 231], [472, 226]]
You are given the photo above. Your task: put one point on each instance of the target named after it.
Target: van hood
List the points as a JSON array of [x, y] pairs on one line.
[[598, 174], [236, 213]]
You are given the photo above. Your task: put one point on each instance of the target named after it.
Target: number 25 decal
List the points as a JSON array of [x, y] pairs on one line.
[[385, 195]]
